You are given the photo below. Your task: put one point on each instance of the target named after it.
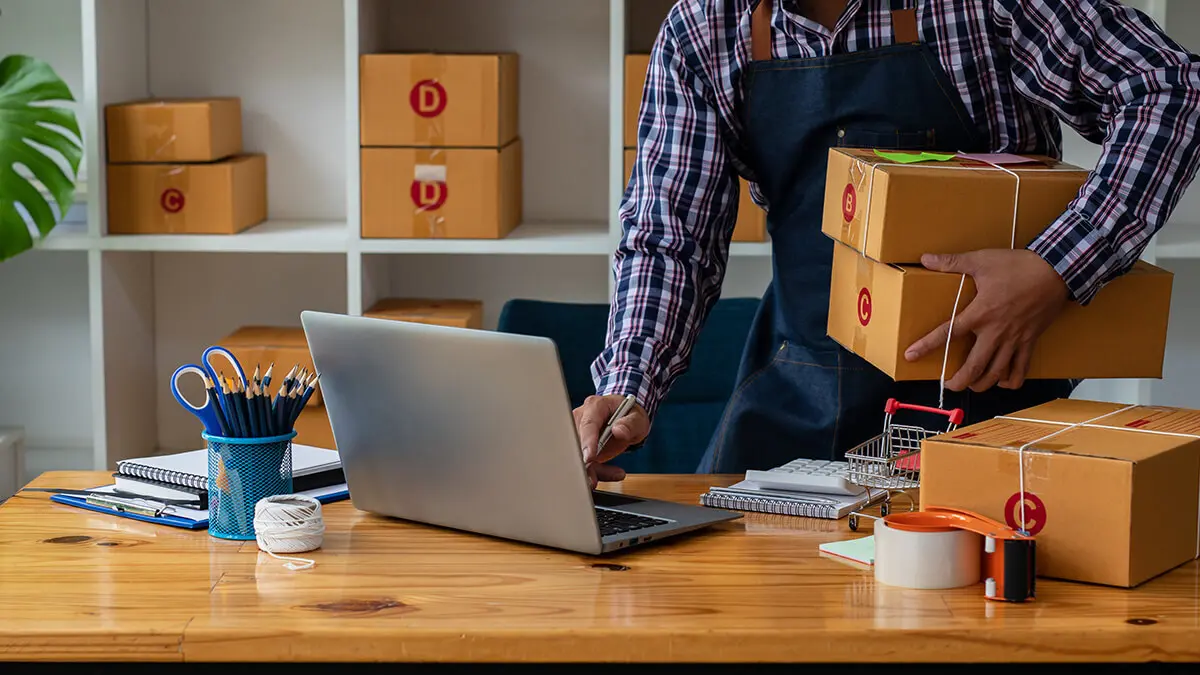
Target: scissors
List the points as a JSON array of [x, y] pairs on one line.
[[209, 413]]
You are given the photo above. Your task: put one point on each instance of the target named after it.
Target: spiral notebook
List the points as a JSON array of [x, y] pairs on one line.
[[748, 496], [190, 469]]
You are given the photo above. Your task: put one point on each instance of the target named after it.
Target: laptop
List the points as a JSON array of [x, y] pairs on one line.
[[472, 430]]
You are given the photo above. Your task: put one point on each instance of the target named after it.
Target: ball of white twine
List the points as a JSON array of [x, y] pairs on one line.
[[289, 524]]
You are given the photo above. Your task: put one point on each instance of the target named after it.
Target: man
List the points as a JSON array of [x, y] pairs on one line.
[[763, 88]]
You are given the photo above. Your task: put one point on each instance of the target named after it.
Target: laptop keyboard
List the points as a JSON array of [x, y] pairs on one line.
[[619, 522]]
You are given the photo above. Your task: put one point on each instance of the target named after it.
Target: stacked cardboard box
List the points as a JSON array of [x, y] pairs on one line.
[[884, 214], [441, 155], [285, 347], [177, 167], [451, 313], [751, 220]]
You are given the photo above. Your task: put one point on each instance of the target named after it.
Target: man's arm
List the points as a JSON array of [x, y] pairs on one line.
[[677, 219], [1114, 77], [1119, 81]]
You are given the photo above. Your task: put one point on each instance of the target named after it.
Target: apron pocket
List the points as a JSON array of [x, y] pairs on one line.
[[887, 138]]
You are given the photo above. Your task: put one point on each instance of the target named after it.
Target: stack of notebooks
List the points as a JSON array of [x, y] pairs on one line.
[[180, 483], [749, 496]]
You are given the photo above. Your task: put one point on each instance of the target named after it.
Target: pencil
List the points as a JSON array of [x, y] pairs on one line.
[[266, 381], [216, 404], [308, 392], [240, 403], [264, 410], [235, 427], [249, 402]]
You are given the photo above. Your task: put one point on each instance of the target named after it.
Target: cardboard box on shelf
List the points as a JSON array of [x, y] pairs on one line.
[[1108, 502], [438, 100], [877, 310], [174, 130], [224, 197], [636, 66], [751, 223], [264, 345], [896, 212], [312, 428], [454, 193], [438, 312]]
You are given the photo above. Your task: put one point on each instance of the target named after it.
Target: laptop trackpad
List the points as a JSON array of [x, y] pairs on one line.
[[612, 500]]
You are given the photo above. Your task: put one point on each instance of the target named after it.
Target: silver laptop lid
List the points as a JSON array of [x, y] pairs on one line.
[[466, 429]]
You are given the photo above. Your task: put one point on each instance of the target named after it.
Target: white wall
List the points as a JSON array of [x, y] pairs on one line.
[[45, 376]]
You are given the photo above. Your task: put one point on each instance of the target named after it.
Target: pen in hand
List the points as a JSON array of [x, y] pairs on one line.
[[621, 411]]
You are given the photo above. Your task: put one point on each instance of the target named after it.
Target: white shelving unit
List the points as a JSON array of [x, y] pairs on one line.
[[91, 325]]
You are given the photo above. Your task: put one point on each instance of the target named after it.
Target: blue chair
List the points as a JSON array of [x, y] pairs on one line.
[[689, 416]]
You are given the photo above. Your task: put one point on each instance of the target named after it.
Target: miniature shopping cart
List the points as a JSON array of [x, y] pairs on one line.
[[891, 461]]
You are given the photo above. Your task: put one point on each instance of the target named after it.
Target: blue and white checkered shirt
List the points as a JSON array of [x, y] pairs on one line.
[[1020, 66]]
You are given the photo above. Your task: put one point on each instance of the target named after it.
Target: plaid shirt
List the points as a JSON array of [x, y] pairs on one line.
[[1020, 66]]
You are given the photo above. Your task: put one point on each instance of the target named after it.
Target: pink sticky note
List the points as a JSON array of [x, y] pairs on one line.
[[997, 158]]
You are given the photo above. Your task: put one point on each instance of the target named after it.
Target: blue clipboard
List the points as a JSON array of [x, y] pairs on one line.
[[169, 520]]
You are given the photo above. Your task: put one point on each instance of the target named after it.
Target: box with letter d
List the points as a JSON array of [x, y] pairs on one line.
[[441, 155]]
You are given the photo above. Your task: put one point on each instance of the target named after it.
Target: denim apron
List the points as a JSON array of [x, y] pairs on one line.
[[799, 393]]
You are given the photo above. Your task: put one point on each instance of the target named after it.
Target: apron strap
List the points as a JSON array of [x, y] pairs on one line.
[[904, 23], [760, 31], [904, 27]]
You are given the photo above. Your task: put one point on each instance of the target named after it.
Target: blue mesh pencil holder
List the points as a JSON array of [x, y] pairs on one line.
[[241, 471]]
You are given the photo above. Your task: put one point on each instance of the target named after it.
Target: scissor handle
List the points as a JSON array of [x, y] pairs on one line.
[[224, 353], [207, 412], [956, 415]]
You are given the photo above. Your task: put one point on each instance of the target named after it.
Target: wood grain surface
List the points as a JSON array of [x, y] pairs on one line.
[[80, 585]]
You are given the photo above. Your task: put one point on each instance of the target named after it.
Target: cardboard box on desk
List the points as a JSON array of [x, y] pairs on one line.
[[438, 100], [224, 197], [264, 345], [751, 220], [451, 313], [877, 310], [414, 193], [1108, 503], [896, 212], [174, 130]]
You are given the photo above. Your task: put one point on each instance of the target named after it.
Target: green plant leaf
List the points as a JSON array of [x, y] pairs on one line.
[[32, 132]]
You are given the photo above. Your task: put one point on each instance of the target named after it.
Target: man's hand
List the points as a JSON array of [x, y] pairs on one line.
[[1018, 296], [590, 419]]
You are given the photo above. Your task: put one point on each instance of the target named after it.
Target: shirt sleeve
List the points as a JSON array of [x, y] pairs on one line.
[[677, 217], [1111, 74]]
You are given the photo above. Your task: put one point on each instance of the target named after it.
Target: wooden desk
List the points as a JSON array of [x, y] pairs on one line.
[[79, 585]]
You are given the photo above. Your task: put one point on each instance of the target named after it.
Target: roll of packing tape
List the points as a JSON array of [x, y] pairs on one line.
[[927, 560]]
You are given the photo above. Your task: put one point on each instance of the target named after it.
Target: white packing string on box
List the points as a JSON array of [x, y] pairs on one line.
[[1088, 424]]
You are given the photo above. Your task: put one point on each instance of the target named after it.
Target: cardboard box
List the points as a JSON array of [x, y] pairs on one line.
[[264, 345], [897, 212], [751, 223], [438, 100], [174, 130], [441, 194], [636, 66], [878, 310], [452, 313], [1108, 504], [223, 197], [312, 428]]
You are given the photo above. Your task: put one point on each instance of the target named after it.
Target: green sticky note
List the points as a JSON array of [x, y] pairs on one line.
[[914, 157], [861, 550]]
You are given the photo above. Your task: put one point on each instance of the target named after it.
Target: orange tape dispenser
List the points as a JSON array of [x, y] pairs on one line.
[[952, 548]]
